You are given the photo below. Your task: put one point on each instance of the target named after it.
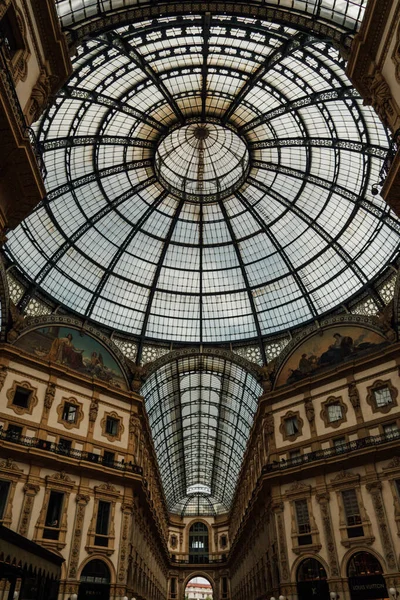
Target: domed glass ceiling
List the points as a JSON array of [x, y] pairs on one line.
[[208, 181]]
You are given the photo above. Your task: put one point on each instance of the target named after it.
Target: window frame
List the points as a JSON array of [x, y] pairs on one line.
[[325, 406], [283, 426], [371, 400], [32, 398]]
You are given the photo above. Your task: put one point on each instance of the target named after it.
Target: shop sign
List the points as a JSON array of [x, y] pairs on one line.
[[371, 587]]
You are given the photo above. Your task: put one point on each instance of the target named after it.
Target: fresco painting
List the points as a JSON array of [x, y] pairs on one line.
[[75, 350], [327, 348]]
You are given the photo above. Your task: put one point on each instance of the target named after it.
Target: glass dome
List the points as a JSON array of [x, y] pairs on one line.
[[208, 181]]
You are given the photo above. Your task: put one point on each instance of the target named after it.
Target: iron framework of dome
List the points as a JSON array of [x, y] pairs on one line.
[[293, 235]]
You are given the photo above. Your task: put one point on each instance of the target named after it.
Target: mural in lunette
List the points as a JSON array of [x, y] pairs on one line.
[[327, 348], [73, 349]]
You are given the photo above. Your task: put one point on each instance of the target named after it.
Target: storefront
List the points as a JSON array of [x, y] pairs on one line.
[[365, 578], [312, 581]]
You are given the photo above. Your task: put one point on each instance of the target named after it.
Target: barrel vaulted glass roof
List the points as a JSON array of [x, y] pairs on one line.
[[208, 181], [201, 409]]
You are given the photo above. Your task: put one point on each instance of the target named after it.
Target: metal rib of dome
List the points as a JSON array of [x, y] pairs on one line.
[[299, 236]]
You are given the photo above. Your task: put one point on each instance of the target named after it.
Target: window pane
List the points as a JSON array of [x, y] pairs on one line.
[[382, 397], [291, 426], [334, 412], [4, 489]]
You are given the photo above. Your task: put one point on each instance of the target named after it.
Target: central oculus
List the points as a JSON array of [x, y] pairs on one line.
[[202, 161]]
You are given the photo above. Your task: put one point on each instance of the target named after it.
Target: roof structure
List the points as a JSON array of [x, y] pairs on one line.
[[208, 182]]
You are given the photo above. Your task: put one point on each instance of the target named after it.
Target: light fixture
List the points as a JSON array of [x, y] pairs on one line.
[[333, 595], [74, 596], [282, 597], [125, 598], [393, 592], [272, 598], [15, 595]]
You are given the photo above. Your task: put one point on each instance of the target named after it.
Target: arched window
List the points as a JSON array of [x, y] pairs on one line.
[[362, 564], [198, 543], [310, 570], [95, 581], [365, 577], [96, 571], [312, 580]]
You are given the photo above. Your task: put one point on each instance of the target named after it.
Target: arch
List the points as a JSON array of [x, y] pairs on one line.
[[199, 574], [104, 559], [363, 563], [228, 355], [198, 541], [312, 579], [96, 340], [306, 556], [347, 557]]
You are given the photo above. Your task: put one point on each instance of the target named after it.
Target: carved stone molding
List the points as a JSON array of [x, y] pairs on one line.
[[32, 399], [30, 490], [3, 375], [93, 410], [49, 396], [333, 401], [126, 533], [375, 489], [377, 385], [282, 427], [79, 413], [82, 501], [323, 501], [120, 428], [278, 509]]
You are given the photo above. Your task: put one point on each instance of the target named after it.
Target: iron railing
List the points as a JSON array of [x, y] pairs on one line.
[[62, 450], [27, 132], [345, 448], [197, 560]]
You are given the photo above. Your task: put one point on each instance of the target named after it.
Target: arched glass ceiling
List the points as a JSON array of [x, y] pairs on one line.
[[201, 409], [345, 13], [297, 235]]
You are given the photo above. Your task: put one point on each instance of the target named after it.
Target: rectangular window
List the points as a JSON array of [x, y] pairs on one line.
[[391, 431], [339, 444], [102, 523], [13, 432], [291, 426], [4, 491], [112, 426], [53, 516], [64, 446], [382, 397], [10, 32], [303, 522], [22, 397], [334, 412], [295, 456], [108, 458], [70, 412], [352, 512]]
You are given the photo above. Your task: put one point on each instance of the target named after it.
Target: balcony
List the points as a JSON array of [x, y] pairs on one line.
[[344, 449], [63, 451]]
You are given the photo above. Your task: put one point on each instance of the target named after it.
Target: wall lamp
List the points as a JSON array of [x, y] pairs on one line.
[[334, 595], [393, 592]]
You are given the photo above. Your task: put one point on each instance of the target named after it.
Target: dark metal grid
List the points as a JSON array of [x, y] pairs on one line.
[[200, 410], [341, 14], [239, 221]]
